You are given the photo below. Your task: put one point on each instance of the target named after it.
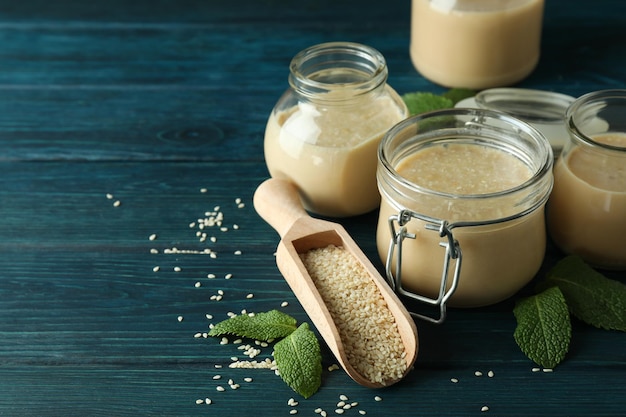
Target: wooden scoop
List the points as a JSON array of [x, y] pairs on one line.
[[278, 202]]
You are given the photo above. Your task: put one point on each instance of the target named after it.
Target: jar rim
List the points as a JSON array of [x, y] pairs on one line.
[[368, 64], [545, 152], [594, 98]]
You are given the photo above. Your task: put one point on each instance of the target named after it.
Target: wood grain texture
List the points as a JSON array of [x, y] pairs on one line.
[[163, 105]]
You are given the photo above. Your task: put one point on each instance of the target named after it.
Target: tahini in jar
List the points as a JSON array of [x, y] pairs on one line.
[[476, 43], [587, 209], [324, 131], [473, 178]]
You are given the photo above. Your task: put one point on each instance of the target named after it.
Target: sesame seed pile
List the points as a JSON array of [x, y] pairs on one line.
[[366, 326]]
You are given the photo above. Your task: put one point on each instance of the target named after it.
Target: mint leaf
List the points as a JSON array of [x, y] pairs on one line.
[[543, 329], [299, 361], [261, 326], [422, 102], [458, 94], [591, 297]]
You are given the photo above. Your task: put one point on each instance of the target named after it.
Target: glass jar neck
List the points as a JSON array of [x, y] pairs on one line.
[[337, 72]]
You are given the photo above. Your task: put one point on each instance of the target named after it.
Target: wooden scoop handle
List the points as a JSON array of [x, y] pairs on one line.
[[278, 203]]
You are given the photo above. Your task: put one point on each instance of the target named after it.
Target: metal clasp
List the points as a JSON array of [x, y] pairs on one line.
[[452, 253]]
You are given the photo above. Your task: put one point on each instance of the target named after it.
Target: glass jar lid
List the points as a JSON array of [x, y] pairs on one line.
[[545, 110]]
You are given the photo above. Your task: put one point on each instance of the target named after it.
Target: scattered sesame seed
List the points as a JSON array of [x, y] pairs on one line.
[[180, 318], [484, 408], [284, 304], [203, 190], [208, 401], [377, 398], [152, 236], [197, 335], [236, 226], [362, 412], [228, 276], [109, 196], [209, 316], [333, 367], [153, 250], [218, 366], [247, 379], [198, 284], [536, 369], [177, 269], [117, 203], [340, 404], [454, 380], [249, 296], [237, 252], [343, 397], [339, 411], [156, 269], [220, 388], [216, 377], [210, 276], [547, 370], [199, 401], [294, 411], [478, 373], [241, 205], [490, 374]]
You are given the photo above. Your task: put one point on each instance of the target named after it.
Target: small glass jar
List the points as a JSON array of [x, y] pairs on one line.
[[324, 131], [587, 209], [462, 181], [476, 43]]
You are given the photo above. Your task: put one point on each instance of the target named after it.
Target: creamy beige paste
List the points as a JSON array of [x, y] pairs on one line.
[[587, 208]]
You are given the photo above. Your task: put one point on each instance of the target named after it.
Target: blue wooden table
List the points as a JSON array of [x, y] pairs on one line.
[[124, 125]]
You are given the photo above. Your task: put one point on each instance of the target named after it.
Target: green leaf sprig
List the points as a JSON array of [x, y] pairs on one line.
[[297, 352], [421, 102], [543, 330]]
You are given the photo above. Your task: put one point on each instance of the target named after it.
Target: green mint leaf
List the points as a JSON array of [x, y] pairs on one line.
[[422, 102], [458, 94], [543, 329], [299, 361], [591, 297], [261, 326]]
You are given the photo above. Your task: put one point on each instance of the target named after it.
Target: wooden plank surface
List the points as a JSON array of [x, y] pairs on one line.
[[163, 105]]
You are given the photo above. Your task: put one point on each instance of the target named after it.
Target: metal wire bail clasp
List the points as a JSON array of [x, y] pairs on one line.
[[452, 253]]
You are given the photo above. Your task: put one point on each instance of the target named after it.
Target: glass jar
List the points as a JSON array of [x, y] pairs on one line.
[[462, 181], [587, 209], [476, 43], [324, 131]]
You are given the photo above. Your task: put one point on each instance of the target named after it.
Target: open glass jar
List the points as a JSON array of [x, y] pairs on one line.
[[587, 209], [464, 185], [476, 43], [324, 132]]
